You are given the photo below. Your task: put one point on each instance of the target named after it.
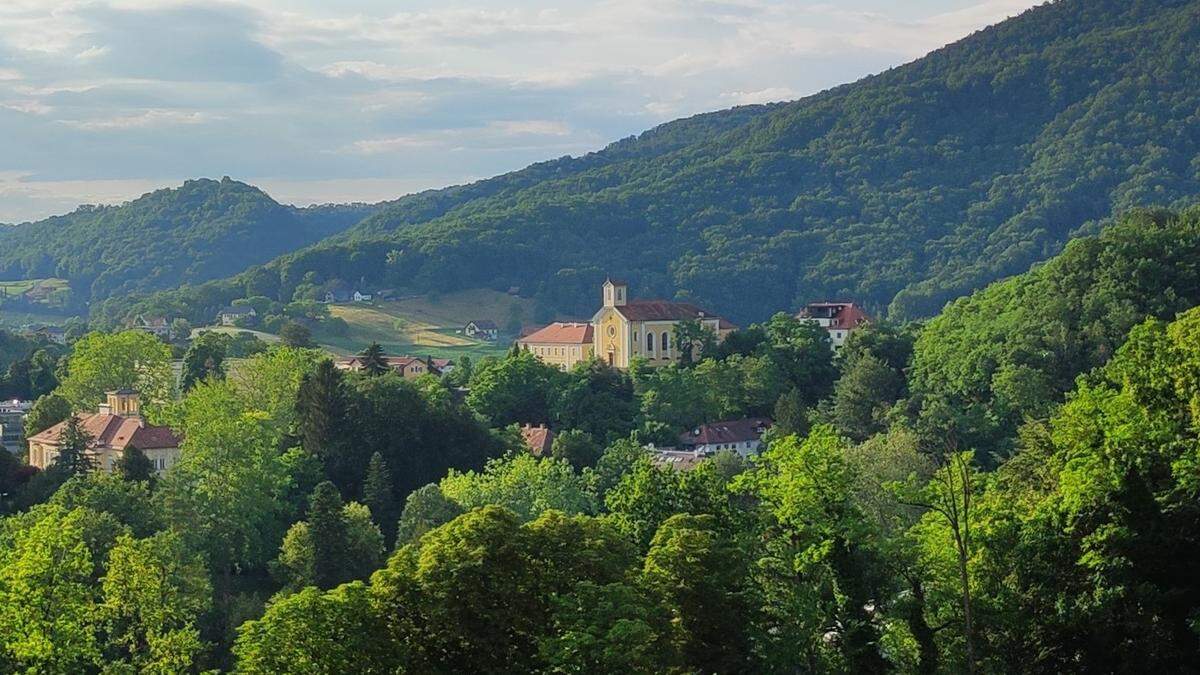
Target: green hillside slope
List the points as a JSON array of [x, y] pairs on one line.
[[203, 230], [1008, 353], [905, 189]]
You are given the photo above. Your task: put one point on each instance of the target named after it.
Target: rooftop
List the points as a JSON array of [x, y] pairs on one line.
[[115, 431], [574, 333], [730, 431]]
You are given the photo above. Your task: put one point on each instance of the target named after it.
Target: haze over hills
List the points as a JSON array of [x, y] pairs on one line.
[[205, 229]]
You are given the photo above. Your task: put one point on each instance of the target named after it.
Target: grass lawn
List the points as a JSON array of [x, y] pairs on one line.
[[22, 286], [269, 338], [419, 326]]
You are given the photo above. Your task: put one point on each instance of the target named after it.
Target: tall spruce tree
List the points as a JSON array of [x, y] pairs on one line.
[[380, 497], [134, 465], [373, 360], [73, 458], [322, 406], [327, 526]]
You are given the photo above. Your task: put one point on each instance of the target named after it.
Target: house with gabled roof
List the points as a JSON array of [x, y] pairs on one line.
[[562, 344], [482, 329], [741, 436], [839, 319], [539, 439], [230, 316], [114, 428], [406, 366], [157, 326]]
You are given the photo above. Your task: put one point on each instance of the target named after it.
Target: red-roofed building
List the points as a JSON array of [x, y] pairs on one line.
[[117, 426], [560, 344], [741, 436], [540, 439], [838, 318], [627, 329]]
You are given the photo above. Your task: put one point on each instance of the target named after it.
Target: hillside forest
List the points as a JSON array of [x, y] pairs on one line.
[[902, 191], [1009, 487]]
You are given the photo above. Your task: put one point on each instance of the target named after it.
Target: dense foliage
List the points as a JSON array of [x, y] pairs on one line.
[[1009, 352], [320, 521], [202, 230], [907, 188]]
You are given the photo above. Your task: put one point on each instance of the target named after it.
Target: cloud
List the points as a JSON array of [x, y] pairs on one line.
[[490, 135], [120, 94], [768, 95], [146, 118]]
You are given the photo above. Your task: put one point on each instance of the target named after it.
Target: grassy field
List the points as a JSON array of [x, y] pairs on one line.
[[23, 286], [422, 326], [231, 330], [17, 319]]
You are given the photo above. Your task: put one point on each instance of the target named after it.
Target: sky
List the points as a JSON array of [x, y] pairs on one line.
[[321, 101]]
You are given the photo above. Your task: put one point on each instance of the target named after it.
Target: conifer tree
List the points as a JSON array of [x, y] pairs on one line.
[[327, 525], [73, 458], [134, 465], [321, 405], [374, 362], [379, 495], [791, 417]]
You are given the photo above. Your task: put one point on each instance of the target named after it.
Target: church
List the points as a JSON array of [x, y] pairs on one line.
[[624, 329]]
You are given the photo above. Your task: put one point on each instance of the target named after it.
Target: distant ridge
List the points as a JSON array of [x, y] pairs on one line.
[[202, 230], [903, 190]]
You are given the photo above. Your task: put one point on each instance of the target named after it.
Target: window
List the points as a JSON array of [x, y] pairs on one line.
[[666, 344], [649, 343]]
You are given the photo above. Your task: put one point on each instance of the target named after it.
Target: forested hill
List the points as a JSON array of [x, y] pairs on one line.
[[203, 230], [908, 188]]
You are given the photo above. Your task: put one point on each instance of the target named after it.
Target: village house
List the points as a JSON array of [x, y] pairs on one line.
[[539, 439], [407, 366], [154, 325], [482, 329], [560, 344], [626, 329], [230, 316], [12, 425], [117, 426], [741, 436], [363, 296], [838, 318], [55, 334]]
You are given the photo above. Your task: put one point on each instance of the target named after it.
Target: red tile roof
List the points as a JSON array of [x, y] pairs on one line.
[[561, 333], [539, 439], [732, 431], [840, 314], [662, 310], [115, 431]]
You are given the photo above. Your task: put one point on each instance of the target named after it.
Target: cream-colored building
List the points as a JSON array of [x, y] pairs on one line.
[[407, 366], [560, 344], [117, 426], [626, 329]]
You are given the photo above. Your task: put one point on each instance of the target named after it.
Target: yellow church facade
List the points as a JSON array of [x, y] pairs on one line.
[[625, 329]]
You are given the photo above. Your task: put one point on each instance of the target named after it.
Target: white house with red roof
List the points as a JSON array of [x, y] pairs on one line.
[[741, 436], [117, 426], [838, 318]]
